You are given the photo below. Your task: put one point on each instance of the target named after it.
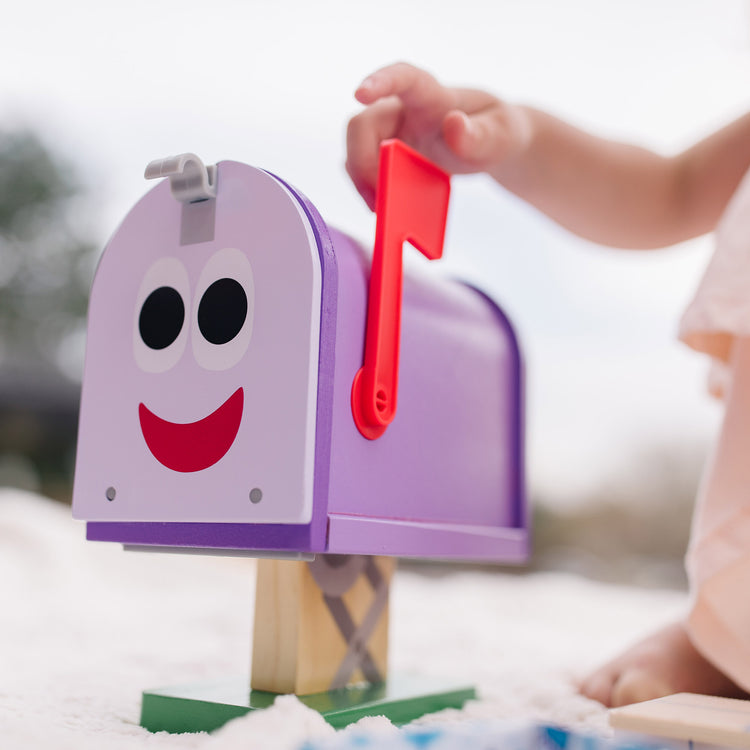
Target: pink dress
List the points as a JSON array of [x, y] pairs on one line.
[[717, 322]]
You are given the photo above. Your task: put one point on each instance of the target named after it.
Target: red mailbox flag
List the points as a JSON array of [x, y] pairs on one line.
[[411, 205]]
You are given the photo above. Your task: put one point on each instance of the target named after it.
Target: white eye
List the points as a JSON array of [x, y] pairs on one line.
[[159, 332], [224, 302]]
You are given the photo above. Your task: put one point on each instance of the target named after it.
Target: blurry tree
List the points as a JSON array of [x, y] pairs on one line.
[[45, 271], [44, 262]]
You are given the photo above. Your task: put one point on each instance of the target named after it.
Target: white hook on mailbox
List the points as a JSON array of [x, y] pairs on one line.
[[190, 179]]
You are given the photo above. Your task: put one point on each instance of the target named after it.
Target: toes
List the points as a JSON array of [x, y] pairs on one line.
[[614, 688], [637, 685], [598, 686]]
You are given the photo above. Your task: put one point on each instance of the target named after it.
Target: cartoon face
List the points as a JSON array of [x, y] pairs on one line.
[[199, 393], [219, 333]]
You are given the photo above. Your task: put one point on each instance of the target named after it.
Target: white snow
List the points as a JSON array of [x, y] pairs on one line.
[[85, 627]]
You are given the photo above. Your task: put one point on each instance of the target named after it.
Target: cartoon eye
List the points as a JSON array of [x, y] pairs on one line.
[[160, 333], [224, 300], [161, 318], [222, 311]]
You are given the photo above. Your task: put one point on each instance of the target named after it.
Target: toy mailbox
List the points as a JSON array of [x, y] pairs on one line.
[[242, 370]]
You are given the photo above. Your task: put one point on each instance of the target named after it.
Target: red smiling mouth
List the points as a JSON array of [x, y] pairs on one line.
[[197, 445]]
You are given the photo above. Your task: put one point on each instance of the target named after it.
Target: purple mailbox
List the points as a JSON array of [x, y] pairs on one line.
[[226, 326]]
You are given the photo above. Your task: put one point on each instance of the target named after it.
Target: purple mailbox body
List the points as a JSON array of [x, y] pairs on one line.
[[203, 435]]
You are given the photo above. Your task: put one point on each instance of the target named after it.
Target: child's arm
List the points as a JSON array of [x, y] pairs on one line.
[[608, 192]]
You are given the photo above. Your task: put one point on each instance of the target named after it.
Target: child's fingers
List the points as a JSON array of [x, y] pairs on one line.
[[365, 189], [363, 137], [482, 138], [415, 87], [462, 130]]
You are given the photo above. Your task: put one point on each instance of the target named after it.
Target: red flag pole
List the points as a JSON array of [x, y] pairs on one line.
[[411, 205]]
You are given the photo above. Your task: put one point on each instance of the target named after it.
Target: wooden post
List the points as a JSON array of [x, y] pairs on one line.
[[321, 625]]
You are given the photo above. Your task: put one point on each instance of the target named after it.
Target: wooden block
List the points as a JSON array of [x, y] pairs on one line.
[[687, 716], [321, 625]]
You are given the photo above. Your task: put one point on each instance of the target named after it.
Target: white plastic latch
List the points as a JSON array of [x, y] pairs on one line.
[[190, 179]]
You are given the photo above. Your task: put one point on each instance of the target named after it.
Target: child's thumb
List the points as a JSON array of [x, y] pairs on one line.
[[479, 139]]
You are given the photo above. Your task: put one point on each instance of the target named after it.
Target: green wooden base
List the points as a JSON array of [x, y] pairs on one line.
[[206, 706]]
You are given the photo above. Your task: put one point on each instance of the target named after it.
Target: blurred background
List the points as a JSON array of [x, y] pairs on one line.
[[618, 418]]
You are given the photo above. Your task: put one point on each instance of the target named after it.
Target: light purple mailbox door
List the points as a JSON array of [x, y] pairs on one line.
[[201, 376]]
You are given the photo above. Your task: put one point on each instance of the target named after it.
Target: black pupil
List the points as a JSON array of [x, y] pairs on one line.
[[161, 318], [222, 311]]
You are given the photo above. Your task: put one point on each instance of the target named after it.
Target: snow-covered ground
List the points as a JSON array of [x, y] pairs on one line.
[[84, 627]]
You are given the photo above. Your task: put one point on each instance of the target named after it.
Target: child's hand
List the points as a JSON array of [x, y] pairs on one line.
[[461, 130]]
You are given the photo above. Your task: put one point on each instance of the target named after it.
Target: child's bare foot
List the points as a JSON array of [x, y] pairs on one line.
[[663, 664]]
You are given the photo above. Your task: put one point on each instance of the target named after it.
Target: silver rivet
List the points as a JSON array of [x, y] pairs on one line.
[[111, 493], [256, 496]]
